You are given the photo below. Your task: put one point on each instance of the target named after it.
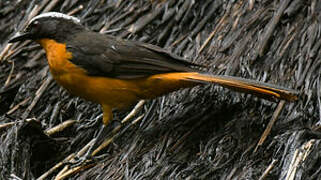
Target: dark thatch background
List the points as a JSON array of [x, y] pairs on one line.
[[206, 132]]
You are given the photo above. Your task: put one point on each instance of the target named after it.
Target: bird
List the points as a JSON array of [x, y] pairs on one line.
[[116, 73]]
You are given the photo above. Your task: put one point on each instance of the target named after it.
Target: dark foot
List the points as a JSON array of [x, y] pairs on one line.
[[101, 136], [91, 123], [111, 128], [86, 160], [80, 161], [115, 125]]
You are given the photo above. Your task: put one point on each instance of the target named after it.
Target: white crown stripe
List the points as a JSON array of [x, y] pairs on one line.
[[56, 15]]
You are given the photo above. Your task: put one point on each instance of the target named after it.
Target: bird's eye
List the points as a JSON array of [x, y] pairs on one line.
[[35, 24]]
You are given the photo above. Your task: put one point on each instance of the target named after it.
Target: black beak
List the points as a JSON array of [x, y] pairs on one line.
[[20, 37]]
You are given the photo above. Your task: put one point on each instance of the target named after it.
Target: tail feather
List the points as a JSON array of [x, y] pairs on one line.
[[264, 90]]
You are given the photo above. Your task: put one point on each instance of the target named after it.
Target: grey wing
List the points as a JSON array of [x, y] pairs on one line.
[[102, 55]]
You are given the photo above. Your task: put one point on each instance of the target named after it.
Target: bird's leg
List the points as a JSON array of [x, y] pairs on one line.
[[107, 114], [105, 129], [83, 159]]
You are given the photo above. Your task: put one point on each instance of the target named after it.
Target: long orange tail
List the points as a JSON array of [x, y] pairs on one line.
[[263, 90]]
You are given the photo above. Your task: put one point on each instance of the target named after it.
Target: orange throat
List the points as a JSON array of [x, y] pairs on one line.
[[58, 57]]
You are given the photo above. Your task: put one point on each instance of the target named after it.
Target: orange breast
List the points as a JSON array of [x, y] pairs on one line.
[[114, 92], [58, 58]]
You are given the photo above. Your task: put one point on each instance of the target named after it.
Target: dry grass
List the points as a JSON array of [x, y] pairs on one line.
[[199, 133]]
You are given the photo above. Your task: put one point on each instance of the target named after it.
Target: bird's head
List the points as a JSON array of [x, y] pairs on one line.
[[51, 25]]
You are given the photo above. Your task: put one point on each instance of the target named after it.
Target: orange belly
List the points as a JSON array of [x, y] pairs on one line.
[[119, 93], [113, 92]]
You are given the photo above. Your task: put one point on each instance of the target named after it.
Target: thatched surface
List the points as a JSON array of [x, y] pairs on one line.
[[206, 132]]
